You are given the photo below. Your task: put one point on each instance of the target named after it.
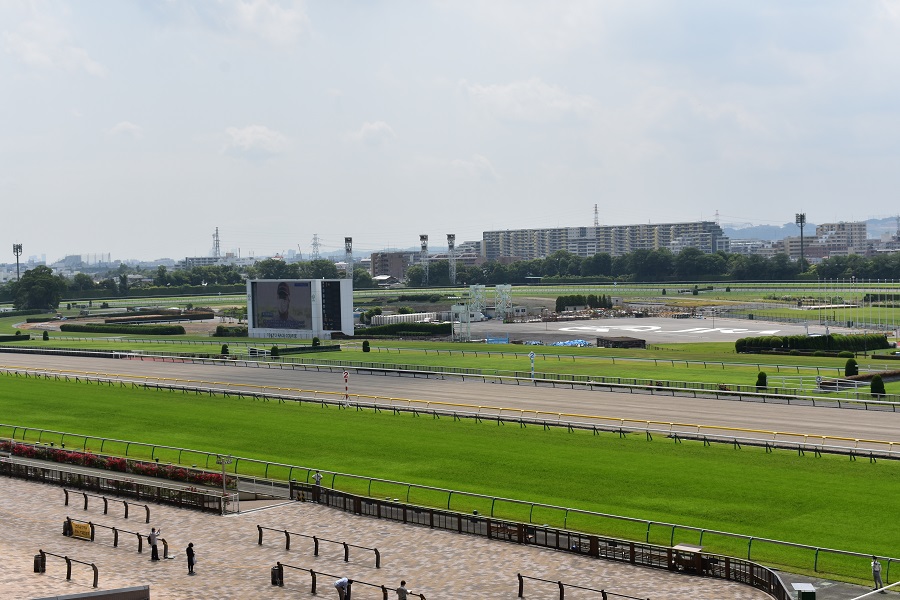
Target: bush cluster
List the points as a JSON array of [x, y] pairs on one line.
[[832, 343], [591, 300], [234, 331]]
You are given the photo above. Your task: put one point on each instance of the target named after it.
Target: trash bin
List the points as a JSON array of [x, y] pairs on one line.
[[67, 528], [38, 564], [750, 317], [805, 591], [276, 576]]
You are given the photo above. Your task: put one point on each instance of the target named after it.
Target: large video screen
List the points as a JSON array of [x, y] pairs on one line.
[[282, 304]]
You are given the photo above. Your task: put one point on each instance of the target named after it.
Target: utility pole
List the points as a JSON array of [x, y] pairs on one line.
[[17, 250]]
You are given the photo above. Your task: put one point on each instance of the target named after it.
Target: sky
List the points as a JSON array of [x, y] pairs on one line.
[[136, 128]]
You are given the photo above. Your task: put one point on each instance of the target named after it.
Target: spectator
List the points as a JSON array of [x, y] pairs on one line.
[[341, 586]]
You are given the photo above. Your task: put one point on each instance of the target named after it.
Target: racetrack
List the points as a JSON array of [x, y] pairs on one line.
[[813, 421]]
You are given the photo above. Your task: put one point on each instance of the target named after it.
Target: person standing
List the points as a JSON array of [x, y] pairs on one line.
[[317, 478], [153, 538], [190, 558], [876, 573], [341, 586], [402, 592]]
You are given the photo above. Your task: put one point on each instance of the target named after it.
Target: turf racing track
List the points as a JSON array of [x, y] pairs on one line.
[[847, 423]]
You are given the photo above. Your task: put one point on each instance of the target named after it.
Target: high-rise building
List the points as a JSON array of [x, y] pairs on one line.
[[616, 240]]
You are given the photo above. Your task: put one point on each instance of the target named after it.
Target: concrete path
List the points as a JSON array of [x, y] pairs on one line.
[[439, 564]]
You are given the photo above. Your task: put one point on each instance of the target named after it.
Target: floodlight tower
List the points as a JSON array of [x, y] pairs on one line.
[[451, 256], [800, 220], [348, 257], [315, 247], [17, 250], [423, 257]]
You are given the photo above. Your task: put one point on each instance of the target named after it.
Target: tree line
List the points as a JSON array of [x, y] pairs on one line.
[[659, 265], [40, 288]]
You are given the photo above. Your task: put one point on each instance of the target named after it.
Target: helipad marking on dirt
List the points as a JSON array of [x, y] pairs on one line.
[[657, 329]]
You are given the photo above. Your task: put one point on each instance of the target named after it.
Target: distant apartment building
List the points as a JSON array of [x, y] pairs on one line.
[[616, 240], [831, 239], [391, 263]]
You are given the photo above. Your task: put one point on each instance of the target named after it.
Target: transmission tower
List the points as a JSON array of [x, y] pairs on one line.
[[477, 302], [423, 257], [451, 256], [216, 243], [596, 216], [315, 247], [348, 257], [503, 301]]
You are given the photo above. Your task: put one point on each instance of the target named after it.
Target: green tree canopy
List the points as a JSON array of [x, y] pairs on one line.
[[40, 288]]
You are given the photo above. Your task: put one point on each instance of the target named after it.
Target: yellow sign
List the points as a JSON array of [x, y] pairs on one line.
[[81, 530]]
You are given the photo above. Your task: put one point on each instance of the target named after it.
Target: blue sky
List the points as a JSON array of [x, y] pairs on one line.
[[137, 128]]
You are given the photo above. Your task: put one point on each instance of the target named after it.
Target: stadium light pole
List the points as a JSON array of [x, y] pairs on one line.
[[17, 250], [800, 220]]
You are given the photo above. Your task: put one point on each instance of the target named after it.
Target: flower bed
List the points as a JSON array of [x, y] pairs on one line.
[[115, 463]]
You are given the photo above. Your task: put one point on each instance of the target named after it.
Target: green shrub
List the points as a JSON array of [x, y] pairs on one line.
[[45, 336], [274, 352], [664, 291], [877, 386], [845, 354], [224, 351], [316, 342], [794, 352], [819, 353], [851, 368], [365, 346], [761, 380]]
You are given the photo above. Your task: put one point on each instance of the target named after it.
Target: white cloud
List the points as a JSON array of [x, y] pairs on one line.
[[374, 134], [272, 21], [530, 100], [43, 44], [254, 142], [478, 166], [126, 128]]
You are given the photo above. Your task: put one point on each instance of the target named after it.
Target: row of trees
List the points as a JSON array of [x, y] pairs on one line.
[[658, 265]]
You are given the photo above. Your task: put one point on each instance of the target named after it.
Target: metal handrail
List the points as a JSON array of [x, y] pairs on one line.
[[105, 502], [316, 540], [69, 562]]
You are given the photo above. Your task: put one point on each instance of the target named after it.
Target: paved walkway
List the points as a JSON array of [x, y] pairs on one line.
[[439, 564]]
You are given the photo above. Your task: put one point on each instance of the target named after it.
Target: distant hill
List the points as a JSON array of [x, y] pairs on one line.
[[874, 229]]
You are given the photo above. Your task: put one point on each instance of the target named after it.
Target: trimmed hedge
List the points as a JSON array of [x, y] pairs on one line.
[[233, 331], [830, 343], [131, 329], [409, 328], [14, 338], [150, 317], [283, 350], [23, 312]]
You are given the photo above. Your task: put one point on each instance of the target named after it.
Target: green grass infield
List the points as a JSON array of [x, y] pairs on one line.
[[826, 501]]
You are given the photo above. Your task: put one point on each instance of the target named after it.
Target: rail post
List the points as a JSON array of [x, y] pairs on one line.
[[377, 558], [562, 590], [85, 499], [287, 540], [66, 492], [105, 505], [313, 575], [115, 537], [346, 553], [125, 502], [315, 546], [68, 568], [521, 585], [259, 528], [140, 543], [96, 574]]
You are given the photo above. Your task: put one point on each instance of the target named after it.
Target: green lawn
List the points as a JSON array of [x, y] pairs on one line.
[[826, 501]]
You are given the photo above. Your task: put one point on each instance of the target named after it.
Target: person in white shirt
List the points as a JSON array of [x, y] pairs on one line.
[[876, 573], [341, 586]]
